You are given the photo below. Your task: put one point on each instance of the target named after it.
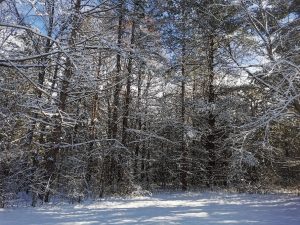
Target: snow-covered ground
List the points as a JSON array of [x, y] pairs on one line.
[[176, 208]]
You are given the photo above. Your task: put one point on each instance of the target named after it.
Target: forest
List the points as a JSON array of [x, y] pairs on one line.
[[113, 97]]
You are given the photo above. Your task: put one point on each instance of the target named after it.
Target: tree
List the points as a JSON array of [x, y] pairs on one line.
[[108, 97]]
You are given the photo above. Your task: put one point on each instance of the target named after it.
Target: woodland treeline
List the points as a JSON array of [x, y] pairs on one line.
[[104, 97]]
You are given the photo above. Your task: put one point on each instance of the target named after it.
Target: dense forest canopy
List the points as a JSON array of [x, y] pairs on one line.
[[102, 97]]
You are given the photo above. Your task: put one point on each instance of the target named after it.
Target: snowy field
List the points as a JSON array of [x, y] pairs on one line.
[[187, 208]]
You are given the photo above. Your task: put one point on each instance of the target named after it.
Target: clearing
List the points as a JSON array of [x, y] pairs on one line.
[[174, 208]]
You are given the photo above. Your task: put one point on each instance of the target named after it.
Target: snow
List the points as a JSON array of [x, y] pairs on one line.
[[174, 208]]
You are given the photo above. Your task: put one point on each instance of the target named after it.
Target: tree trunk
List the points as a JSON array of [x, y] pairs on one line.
[[184, 152], [128, 87], [210, 140], [117, 82], [51, 155], [138, 123], [116, 160]]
